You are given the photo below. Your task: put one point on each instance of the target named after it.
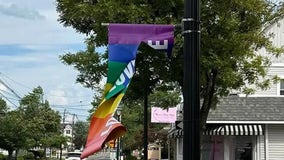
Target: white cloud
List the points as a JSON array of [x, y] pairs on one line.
[[58, 97], [31, 27], [19, 12]]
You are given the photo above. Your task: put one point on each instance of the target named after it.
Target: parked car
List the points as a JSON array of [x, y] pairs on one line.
[[73, 156]]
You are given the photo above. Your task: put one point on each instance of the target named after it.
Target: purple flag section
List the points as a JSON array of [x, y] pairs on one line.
[[159, 37]]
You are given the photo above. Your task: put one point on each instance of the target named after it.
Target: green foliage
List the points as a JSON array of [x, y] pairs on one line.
[[41, 153], [28, 156], [165, 96], [132, 119], [94, 62], [80, 134], [2, 157], [41, 121], [12, 131], [33, 124], [130, 157], [236, 36], [3, 107], [231, 32], [53, 140]]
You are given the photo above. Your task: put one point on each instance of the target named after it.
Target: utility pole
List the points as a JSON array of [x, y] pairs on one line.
[[72, 133], [62, 131], [191, 84]]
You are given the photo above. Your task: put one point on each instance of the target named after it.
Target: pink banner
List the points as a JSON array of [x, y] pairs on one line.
[[159, 115]]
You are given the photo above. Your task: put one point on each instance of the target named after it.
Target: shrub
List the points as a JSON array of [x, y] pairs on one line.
[[28, 156], [2, 157]]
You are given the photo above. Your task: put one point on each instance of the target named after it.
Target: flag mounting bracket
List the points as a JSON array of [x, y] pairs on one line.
[[190, 20], [105, 24], [189, 30]]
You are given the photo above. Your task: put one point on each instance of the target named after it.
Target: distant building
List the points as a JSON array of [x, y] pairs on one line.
[[4, 152]]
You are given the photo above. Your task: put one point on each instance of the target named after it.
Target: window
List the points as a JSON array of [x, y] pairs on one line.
[[282, 87], [244, 147], [68, 132]]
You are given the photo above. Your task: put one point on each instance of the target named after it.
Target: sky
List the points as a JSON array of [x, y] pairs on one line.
[[31, 41]]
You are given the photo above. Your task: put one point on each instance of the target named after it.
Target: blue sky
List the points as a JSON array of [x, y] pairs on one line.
[[31, 40]]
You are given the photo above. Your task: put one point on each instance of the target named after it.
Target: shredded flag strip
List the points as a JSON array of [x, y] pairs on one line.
[[123, 42]]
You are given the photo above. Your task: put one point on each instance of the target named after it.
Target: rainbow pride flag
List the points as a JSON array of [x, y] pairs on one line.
[[123, 42]]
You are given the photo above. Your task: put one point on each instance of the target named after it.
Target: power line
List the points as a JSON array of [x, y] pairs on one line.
[[73, 108], [67, 116], [8, 100], [71, 105], [52, 95], [68, 112], [11, 94], [21, 84], [30, 88], [2, 82], [81, 115]]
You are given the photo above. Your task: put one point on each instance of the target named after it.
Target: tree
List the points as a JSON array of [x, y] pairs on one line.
[[41, 121], [132, 119], [80, 134], [232, 31], [31, 125], [54, 140], [12, 132]]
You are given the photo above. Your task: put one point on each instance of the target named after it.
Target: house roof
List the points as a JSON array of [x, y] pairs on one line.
[[248, 109]]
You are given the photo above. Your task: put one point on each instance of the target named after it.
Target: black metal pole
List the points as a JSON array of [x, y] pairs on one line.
[[191, 108], [118, 147], [145, 137], [118, 142]]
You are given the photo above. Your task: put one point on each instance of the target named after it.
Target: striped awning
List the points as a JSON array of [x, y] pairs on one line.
[[234, 129], [226, 130], [176, 133]]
